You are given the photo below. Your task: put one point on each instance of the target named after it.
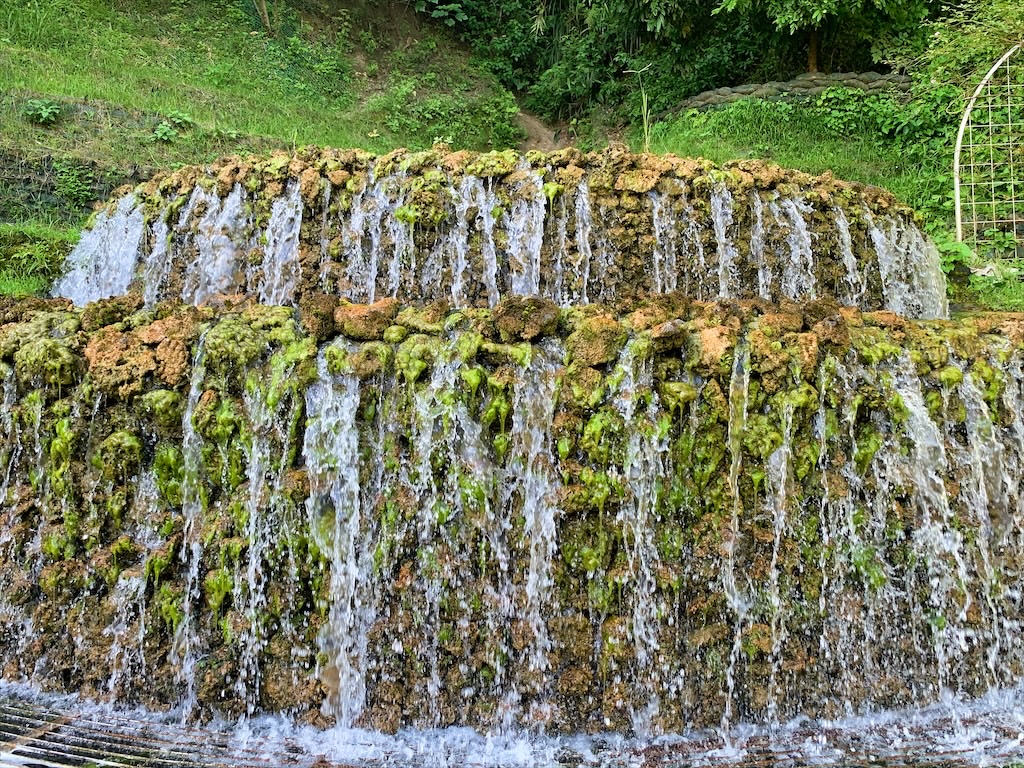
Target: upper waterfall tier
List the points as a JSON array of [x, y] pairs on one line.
[[470, 229]]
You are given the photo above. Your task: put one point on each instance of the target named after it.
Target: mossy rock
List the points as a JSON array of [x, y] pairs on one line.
[[524, 318], [118, 456], [596, 340], [366, 322], [109, 311], [47, 362]]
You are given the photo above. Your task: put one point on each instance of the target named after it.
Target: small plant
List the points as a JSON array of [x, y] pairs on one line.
[[645, 107], [74, 183], [42, 111], [165, 132], [180, 120], [449, 13]]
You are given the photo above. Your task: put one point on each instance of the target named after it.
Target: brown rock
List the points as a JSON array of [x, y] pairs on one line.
[[883, 318], [524, 318], [172, 360], [109, 311], [119, 362], [715, 342], [316, 315], [310, 186], [782, 322], [817, 310], [833, 331], [596, 340], [365, 322], [807, 347]]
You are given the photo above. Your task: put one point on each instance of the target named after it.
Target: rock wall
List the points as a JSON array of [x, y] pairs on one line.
[[803, 87], [470, 229], [675, 514]]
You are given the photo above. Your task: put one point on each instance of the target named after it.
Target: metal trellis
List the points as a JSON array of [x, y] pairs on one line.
[[988, 171]]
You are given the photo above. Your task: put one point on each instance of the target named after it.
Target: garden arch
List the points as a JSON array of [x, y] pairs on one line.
[[988, 171]]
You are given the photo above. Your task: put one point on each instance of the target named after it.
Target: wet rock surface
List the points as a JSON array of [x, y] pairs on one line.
[[471, 229], [651, 515]]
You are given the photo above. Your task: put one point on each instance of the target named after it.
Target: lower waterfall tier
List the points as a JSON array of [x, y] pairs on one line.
[[690, 514]]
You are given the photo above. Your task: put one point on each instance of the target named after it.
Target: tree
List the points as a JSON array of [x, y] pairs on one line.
[[811, 16]]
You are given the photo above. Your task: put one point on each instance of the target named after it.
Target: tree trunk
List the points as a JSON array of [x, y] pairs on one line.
[[261, 10], [813, 44]]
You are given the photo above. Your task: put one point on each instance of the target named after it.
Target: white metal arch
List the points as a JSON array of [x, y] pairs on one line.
[[988, 165]]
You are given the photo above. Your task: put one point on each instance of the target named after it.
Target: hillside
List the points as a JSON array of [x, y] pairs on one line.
[[96, 94]]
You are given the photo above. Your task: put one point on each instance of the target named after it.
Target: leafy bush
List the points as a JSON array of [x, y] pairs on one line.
[[42, 111]]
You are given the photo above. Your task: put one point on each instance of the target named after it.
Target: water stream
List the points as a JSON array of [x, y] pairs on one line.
[[530, 532]]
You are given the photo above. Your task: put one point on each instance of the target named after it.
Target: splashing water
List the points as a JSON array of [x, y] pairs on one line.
[[104, 261]]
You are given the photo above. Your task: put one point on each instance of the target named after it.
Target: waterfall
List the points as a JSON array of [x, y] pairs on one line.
[[183, 648], [280, 267], [722, 219], [415, 232], [578, 476], [104, 260], [340, 524]]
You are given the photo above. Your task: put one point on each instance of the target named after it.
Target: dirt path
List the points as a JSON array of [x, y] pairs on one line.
[[539, 135]]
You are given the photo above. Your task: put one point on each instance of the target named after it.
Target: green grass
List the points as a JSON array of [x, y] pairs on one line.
[[32, 255], [184, 81], [112, 90], [797, 136], [22, 286]]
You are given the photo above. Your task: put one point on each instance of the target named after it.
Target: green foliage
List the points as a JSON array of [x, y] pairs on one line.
[[74, 182], [449, 13], [31, 256], [165, 132], [424, 116], [42, 111]]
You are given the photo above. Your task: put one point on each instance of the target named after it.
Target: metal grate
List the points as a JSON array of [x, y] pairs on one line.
[[989, 163]]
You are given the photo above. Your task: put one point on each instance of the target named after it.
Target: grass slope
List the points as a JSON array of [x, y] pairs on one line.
[[99, 92]]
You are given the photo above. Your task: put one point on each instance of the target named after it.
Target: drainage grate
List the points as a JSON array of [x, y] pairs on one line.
[[34, 735]]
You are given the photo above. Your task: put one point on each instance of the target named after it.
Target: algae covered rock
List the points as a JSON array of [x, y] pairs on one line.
[[596, 340], [524, 318]]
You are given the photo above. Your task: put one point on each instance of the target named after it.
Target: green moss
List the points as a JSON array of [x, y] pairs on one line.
[[164, 408], [761, 436], [169, 472], [415, 355], [158, 562], [677, 395], [494, 164], [468, 344], [118, 456], [169, 604], [473, 378], [868, 567], [552, 191], [516, 354], [873, 346], [869, 441], [395, 334], [232, 345], [46, 362], [497, 410], [57, 545], [291, 367], [602, 436], [218, 584]]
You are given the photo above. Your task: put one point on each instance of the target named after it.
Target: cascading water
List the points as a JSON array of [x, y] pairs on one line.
[[428, 228], [183, 650], [522, 514], [104, 261]]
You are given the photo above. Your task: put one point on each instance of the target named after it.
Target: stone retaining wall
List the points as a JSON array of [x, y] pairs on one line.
[[805, 86]]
